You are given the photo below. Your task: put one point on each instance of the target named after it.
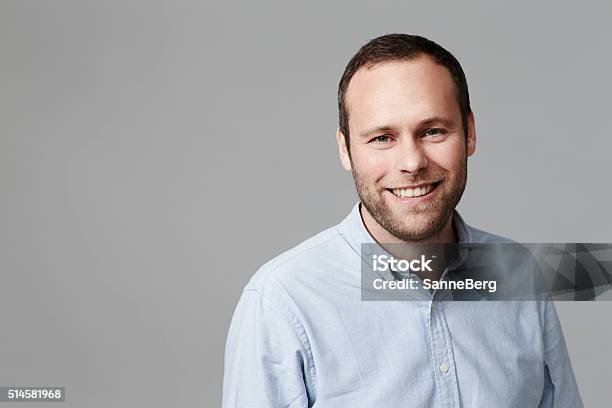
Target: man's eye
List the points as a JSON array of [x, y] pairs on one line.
[[435, 132], [381, 139]]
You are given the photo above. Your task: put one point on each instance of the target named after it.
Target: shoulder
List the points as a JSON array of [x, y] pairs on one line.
[[516, 267], [478, 236], [506, 250], [309, 253]]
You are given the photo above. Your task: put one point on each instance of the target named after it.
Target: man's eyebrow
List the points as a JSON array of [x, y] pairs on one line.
[[423, 123], [436, 119], [377, 129]]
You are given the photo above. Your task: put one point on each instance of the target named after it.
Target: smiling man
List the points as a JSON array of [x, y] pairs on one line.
[[302, 336], [411, 140]]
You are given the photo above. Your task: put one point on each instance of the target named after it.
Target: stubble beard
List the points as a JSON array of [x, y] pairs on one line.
[[421, 223]]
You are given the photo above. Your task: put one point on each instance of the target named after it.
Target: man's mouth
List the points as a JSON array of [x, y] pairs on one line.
[[416, 191]]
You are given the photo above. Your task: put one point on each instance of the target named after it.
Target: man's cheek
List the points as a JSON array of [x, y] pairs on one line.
[[374, 166]]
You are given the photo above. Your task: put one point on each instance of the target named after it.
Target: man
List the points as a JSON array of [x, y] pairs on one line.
[[301, 336]]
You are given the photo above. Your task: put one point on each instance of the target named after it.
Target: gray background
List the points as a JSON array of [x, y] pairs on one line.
[[154, 154]]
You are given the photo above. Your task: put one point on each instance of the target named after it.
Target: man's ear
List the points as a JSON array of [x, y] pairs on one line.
[[343, 151], [471, 138]]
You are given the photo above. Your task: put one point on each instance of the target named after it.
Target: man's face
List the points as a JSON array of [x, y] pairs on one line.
[[408, 151]]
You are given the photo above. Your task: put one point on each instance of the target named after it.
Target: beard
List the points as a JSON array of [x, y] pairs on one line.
[[415, 223]]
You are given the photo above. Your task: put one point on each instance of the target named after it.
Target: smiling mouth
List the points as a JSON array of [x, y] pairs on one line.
[[417, 191]]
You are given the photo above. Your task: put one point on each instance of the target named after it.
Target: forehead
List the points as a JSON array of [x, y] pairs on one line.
[[401, 90]]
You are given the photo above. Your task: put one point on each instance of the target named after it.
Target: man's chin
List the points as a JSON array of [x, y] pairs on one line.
[[416, 219], [413, 223]]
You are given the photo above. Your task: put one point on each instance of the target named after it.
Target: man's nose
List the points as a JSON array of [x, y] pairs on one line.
[[411, 156]]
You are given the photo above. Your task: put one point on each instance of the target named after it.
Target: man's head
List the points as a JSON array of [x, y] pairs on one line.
[[406, 129]]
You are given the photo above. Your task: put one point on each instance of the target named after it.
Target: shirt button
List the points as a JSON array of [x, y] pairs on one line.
[[444, 368]]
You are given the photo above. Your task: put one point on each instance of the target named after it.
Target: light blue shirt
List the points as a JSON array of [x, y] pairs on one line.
[[302, 337]]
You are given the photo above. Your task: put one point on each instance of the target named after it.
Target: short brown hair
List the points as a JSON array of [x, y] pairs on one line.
[[400, 47]]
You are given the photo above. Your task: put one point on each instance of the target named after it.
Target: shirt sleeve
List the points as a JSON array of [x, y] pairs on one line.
[[265, 356], [560, 389]]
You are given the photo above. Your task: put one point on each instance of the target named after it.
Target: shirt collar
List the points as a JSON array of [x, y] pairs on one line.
[[355, 233]]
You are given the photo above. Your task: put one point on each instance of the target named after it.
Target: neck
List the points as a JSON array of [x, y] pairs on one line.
[[443, 253], [381, 235]]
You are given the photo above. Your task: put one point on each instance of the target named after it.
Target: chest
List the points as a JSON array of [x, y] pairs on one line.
[[463, 353]]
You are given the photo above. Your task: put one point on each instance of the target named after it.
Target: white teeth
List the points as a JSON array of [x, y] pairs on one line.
[[412, 192]]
